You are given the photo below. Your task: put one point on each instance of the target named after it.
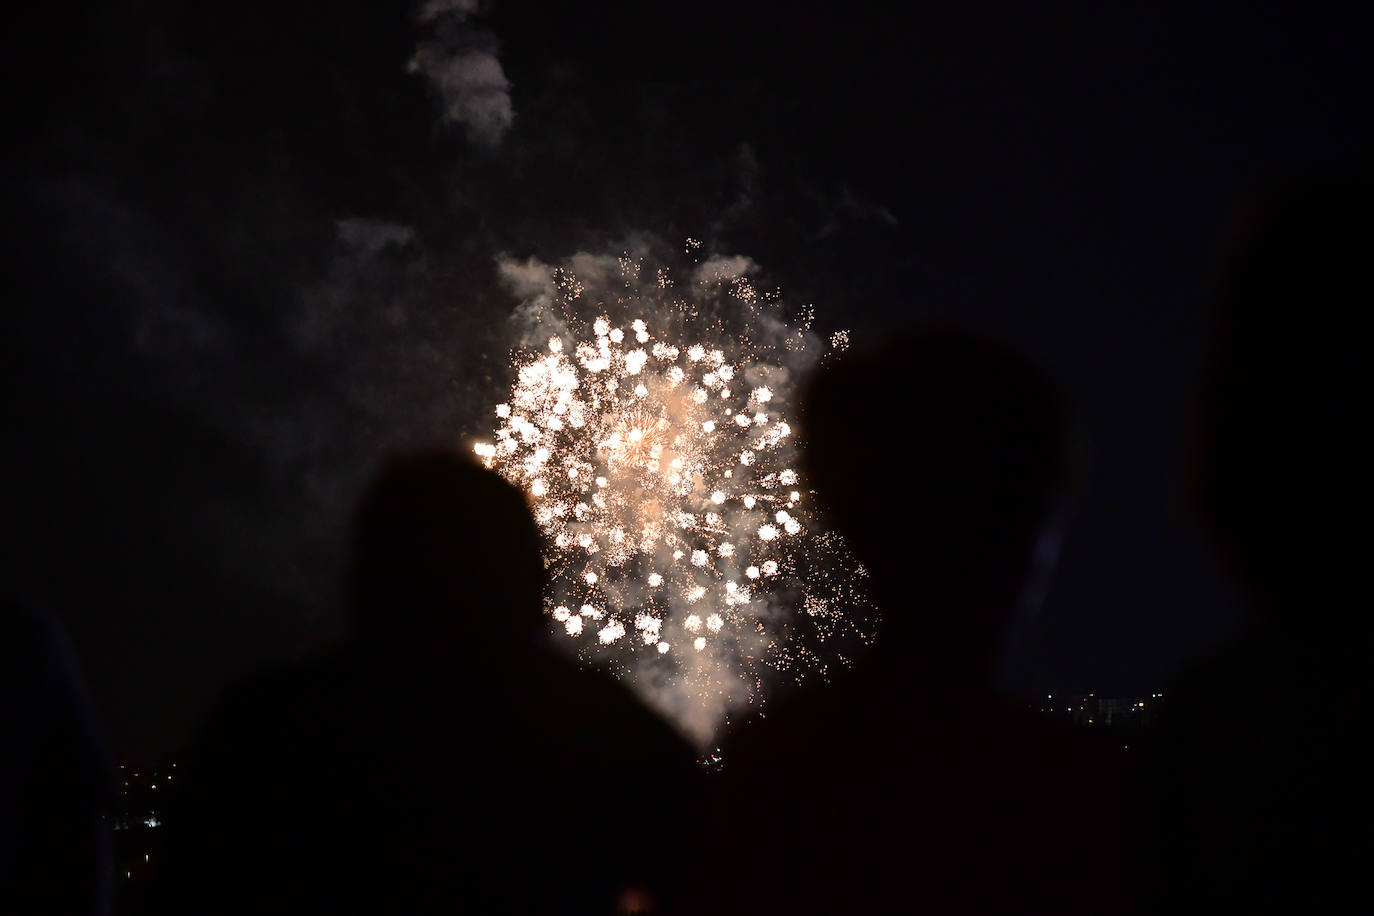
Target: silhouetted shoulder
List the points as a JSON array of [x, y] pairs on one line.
[[856, 803], [441, 760]]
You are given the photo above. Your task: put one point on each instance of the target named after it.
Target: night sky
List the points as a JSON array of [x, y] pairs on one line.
[[253, 248]]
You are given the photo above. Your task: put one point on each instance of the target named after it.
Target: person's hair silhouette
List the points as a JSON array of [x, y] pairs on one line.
[[1277, 469], [444, 553], [443, 755], [944, 457], [1261, 772]]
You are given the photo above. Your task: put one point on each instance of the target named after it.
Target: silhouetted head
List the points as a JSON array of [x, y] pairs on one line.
[[445, 552], [941, 456], [1279, 464]]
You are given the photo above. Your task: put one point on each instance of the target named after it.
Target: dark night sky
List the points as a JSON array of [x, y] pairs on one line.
[[251, 256]]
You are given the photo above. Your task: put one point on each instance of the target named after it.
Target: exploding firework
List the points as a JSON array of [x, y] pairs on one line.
[[648, 427]]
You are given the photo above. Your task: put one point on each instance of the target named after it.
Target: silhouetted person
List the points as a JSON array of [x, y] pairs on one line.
[[444, 761], [57, 788], [1262, 768], [907, 785]]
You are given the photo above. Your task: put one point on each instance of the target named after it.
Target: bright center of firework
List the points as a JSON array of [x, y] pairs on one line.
[[637, 440], [645, 468]]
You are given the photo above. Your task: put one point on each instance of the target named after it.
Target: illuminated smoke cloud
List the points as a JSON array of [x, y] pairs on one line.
[[460, 62], [649, 427]]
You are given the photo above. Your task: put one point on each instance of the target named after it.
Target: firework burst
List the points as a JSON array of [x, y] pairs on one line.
[[649, 429]]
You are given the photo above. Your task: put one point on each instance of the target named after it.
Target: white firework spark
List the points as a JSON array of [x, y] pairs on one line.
[[653, 445]]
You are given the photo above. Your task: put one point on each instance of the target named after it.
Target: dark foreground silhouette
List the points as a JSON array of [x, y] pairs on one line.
[[443, 761], [56, 785], [908, 786], [1263, 770]]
